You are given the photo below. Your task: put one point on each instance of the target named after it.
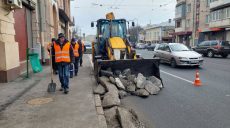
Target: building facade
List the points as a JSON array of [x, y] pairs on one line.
[[199, 20], [159, 33], [184, 21], [31, 27], [220, 19]]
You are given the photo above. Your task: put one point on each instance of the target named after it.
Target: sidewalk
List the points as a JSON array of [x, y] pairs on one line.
[[75, 110]]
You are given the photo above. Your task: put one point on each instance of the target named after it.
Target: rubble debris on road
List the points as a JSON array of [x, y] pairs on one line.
[[99, 90], [137, 85], [119, 84]]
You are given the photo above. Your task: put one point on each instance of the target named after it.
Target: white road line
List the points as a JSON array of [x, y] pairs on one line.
[[177, 77]]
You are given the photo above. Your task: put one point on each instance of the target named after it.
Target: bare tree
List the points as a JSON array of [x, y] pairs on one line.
[[134, 32]]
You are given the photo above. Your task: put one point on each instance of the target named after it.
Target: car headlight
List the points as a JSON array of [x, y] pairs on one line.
[[183, 58]]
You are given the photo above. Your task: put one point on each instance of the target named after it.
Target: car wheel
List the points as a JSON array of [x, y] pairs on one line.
[[173, 63], [224, 55], [210, 53]]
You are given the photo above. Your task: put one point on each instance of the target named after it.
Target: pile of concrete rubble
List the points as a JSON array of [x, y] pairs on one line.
[[114, 86]]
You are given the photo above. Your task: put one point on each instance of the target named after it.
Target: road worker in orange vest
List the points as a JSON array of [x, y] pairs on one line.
[[75, 46], [64, 56], [81, 50]]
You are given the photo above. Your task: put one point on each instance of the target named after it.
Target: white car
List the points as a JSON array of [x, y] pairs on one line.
[[88, 46], [177, 54], [140, 46]]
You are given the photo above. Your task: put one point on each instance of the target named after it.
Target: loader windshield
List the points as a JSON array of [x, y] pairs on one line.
[[114, 28], [118, 29]]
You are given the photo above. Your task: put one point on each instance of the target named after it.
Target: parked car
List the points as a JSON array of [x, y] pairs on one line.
[[140, 46], [151, 47], [213, 47], [88, 46], [177, 54], [132, 44]]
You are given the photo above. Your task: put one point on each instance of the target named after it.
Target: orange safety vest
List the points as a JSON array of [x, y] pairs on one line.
[[62, 55], [75, 49]]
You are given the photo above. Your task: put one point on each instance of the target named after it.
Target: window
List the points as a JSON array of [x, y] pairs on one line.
[[214, 43], [213, 16], [161, 47], [207, 19], [188, 9], [179, 47], [208, 2], [166, 48], [228, 12], [219, 15], [188, 23], [205, 43], [224, 13], [178, 24], [225, 43]]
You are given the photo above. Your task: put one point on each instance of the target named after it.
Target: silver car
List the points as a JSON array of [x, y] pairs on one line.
[[88, 46], [177, 54]]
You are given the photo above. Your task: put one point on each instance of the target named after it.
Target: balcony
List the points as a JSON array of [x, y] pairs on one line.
[[220, 23], [219, 4], [181, 29], [180, 11]]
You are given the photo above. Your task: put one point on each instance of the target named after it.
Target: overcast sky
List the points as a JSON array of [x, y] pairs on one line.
[[142, 11]]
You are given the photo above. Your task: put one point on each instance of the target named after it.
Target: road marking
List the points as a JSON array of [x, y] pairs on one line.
[[177, 77], [227, 95]]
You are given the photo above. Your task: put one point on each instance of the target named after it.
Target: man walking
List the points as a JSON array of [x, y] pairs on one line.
[[81, 51], [76, 54], [64, 55]]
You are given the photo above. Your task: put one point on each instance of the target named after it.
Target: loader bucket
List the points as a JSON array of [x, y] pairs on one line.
[[148, 67]]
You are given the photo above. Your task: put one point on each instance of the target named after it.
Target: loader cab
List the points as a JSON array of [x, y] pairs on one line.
[[107, 29], [111, 28]]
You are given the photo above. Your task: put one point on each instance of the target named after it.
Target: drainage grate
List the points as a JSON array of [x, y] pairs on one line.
[[40, 101]]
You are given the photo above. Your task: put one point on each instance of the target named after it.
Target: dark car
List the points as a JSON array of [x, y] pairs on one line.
[[151, 47], [213, 47]]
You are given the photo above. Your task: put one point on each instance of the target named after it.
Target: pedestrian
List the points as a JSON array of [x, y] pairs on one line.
[[54, 65], [75, 46], [81, 50], [64, 56]]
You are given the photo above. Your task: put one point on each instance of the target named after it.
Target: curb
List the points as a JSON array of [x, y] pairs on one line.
[[100, 111]]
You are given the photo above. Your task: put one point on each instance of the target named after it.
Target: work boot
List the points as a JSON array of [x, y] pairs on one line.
[[66, 91], [61, 89]]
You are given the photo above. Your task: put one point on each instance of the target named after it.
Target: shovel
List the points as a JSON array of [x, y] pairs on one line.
[[52, 85]]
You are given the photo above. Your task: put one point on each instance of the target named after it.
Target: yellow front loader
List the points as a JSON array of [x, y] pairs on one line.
[[112, 49]]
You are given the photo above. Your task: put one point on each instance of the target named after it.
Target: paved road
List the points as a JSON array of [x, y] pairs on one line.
[[181, 105]]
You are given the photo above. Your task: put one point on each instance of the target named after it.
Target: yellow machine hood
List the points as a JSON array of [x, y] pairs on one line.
[[117, 43]]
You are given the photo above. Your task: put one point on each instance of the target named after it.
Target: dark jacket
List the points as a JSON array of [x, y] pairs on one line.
[[71, 53]]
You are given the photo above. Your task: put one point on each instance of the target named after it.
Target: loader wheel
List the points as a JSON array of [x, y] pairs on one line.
[[173, 63]]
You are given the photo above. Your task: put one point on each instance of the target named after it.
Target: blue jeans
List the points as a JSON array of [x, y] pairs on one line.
[[63, 70]]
